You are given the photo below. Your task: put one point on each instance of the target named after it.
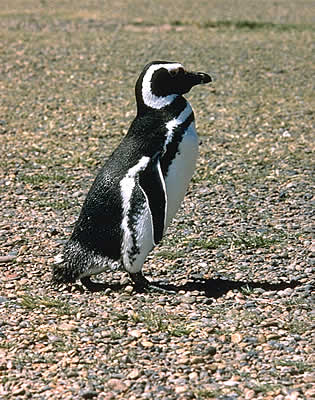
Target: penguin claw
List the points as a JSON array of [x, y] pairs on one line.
[[142, 285]]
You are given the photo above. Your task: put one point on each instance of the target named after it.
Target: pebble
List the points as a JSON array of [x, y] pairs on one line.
[[134, 374], [181, 389], [107, 396], [136, 333], [187, 298], [295, 395], [310, 393], [309, 377], [196, 360], [183, 360], [8, 258], [116, 384], [18, 392], [249, 394], [129, 289], [285, 292], [89, 394], [147, 344], [3, 299], [193, 376], [210, 350], [236, 338]]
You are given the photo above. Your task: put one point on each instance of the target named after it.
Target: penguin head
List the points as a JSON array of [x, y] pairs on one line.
[[161, 82]]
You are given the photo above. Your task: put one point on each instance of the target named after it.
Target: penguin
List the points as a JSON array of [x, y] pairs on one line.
[[139, 189]]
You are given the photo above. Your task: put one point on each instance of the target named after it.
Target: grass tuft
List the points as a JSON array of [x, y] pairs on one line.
[[32, 302], [160, 321], [244, 241], [256, 25]]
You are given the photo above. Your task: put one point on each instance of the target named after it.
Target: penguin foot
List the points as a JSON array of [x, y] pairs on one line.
[[142, 285], [93, 286]]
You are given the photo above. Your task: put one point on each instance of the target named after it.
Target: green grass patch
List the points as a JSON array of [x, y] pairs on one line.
[[266, 388], [42, 179], [249, 25], [208, 394], [213, 243], [61, 204], [256, 25], [160, 321], [298, 367], [248, 241], [33, 302], [245, 241], [171, 255]]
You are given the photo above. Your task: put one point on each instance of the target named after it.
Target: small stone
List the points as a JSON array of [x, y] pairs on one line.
[[68, 326], [310, 393], [236, 338], [231, 382], [213, 367], [18, 392], [285, 292], [116, 384], [181, 389], [309, 377], [249, 394], [188, 299], [261, 338], [183, 360], [193, 376], [3, 299], [292, 396], [8, 258], [89, 394], [124, 280], [129, 289], [147, 343], [107, 396], [210, 351], [134, 374], [196, 360], [135, 333]]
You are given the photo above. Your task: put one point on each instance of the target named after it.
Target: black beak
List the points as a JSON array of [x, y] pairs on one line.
[[204, 78], [197, 78]]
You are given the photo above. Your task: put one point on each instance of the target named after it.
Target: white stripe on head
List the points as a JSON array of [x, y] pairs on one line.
[[150, 99]]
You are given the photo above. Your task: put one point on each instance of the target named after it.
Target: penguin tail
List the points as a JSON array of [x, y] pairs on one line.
[[62, 271]]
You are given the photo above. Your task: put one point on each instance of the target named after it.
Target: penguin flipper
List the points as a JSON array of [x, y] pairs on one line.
[[152, 183]]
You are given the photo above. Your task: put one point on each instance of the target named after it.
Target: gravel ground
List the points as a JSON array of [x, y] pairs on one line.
[[239, 253]]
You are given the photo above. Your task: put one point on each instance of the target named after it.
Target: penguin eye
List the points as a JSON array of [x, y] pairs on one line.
[[176, 71]]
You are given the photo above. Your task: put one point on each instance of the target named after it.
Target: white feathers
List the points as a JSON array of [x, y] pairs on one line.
[[180, 171], [59, 258], [127, 185], [149, 98]]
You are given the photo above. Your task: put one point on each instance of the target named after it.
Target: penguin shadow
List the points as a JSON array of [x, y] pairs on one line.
[[211, 288], [215, 288]]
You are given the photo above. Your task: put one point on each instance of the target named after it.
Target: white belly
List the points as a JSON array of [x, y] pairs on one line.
[[180, 172]]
